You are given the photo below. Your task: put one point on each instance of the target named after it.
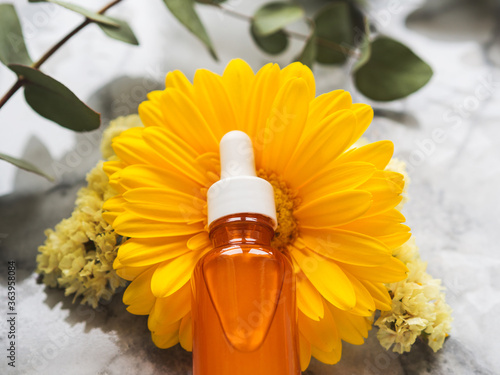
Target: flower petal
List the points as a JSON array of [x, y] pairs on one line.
[[212, 100], [183, 118], [320, 333], [380, 225], [131, 149], [299, 70], [177, 80], [139, 252], [154, 95], [260, 100], [114, 206], [166, 205], [336, 178], [364, 115], [305, 352], [186, 333], [165, 213], [390, 272], [168, 337], [128, 273], [326, 104], [379, 293], [114, 182], [174, 152], [113, 166], [395, 240], [395, 177], [386, 195], [199, 241], [284, 126], [329, 358], [151, 113], [333, 209], [327, 277], [351, 328], [139, 176], [172, 274], [309, 301], [320, 147], [365, 305], [130, 225], [237, 78], [378, 153], [385, 227], [171, 309], [346, 247], [138, 294]]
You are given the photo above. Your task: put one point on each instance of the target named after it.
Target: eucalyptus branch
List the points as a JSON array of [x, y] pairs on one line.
[[19, 83], [324, 42], [11, 92]]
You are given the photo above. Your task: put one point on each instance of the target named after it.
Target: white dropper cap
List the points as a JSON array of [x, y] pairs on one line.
[[239, 189]]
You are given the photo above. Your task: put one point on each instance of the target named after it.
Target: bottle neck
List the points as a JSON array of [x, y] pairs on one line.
[[243, 228]]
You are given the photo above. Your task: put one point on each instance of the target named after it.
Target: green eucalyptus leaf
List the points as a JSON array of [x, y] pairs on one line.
[[123, 33], [273, 17], [23, 164], [273, 44], [184, 11], [392, 71], [12, 47], [337, 26], [210, 2], [308, 54], [96, 17], [54, 101]]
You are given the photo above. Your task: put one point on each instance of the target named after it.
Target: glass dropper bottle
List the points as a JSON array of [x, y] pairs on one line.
[[244, 304]]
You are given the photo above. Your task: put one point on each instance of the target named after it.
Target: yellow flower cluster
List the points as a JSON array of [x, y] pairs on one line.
[[418, 309], [79, 254]]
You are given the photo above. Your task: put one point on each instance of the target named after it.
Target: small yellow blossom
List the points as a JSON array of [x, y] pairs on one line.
[[79, 254], [418, 306]]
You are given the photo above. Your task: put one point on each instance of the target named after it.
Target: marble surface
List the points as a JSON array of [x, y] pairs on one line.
[[448, 133]]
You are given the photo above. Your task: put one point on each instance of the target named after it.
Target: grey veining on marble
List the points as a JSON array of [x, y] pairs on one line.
[[448, 133]]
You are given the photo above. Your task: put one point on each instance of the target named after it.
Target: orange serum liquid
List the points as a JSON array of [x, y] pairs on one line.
[[244, 308], [244, 303]]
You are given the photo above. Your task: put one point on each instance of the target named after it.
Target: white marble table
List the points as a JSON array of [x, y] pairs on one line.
[[455, 179]]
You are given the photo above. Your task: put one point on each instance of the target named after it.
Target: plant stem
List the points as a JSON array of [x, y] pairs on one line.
[[19, 83], [293, 34], [11, 92], [58, 45]]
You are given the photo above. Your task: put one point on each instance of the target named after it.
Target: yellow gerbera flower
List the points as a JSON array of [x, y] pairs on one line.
[[336, 204]]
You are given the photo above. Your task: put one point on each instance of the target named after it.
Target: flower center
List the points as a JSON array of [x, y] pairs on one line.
[[286, 201]]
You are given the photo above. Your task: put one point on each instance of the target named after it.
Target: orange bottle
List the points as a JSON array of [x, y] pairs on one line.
[[244, 304]]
